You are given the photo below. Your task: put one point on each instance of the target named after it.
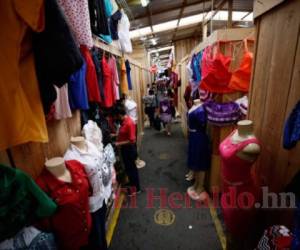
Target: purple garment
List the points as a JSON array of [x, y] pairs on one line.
[[165, 107], [199, 147], [222, 114]]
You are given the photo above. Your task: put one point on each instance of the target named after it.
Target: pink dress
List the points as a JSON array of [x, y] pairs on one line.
[[239, 193]]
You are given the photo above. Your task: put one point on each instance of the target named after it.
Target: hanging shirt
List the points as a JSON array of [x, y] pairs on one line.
[[127, 131], [124, 83], [77, 89], [21, 112], [115, 76], [71, 223], [96, 169], [123, 33], [22, 202], [109, 88], [78, 16], [62, 105], [98, 17], [128, 69], [131, 109], [91, 76], [97, 63], [109, 11], [114, 21], [57, 55]]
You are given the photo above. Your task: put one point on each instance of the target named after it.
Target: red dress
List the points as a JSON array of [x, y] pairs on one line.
[[215, 71], [237, 181], [71, 223], [91, 76], [108, 85]]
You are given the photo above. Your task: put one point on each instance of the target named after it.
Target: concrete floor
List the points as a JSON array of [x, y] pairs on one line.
[[192, 228]]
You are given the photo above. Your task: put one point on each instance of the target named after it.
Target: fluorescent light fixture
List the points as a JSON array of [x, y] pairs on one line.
[[165, 26], [144, 3], [190, 20], [140, 32]]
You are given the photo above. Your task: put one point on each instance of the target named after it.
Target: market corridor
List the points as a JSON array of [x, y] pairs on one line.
[[166, 166]]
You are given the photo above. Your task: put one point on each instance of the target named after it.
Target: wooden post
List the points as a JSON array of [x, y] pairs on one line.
[[230, 5]]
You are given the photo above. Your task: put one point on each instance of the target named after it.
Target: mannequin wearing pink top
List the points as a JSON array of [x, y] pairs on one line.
[[238, 153]]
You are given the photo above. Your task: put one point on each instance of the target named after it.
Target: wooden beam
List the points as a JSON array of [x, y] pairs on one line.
[[220, 6], [149, 14], [230, 5], [184, 2]]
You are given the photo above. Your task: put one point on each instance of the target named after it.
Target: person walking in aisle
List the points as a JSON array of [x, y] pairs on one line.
[[150, 106], [126, 141], [165, 112]]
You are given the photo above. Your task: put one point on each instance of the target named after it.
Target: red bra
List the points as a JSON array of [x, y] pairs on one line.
[[240, 79], [215, 70]]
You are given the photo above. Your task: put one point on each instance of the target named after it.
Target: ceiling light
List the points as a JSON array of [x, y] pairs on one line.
[[144, 3]]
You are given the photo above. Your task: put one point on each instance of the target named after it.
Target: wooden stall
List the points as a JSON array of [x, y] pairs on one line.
[[217, 134], [275, 88], [31, 157]]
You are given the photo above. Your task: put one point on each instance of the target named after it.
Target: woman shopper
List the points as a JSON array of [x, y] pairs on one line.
[[126, 141], [150, 106], [165, 112]]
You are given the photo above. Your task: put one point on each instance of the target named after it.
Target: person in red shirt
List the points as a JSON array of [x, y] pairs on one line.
[[126, 140]]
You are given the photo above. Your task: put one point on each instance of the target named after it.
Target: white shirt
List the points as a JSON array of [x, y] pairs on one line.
[[93, 134], [98, 168], [124, 35], [131, 109]]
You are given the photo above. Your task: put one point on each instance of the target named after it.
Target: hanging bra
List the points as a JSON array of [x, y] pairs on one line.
[[215, 70], [240, 78]]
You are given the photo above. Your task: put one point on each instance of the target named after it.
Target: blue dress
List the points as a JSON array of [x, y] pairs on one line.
[[199, 153]]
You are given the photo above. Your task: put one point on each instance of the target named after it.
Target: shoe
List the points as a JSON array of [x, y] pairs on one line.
[[140, 164]]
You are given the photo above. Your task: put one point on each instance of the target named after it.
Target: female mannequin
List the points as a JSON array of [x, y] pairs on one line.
[[57, 167], [238, 153], [199, 153]]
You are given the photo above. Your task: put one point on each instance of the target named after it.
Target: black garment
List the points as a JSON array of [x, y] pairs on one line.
[[98, 66], [150, 111], [129, 156], [99, 20], [97, 238], [56, 53], [114, 20], [294, 185]]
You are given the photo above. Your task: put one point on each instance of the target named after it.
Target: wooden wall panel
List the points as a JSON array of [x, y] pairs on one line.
[[275, 90]]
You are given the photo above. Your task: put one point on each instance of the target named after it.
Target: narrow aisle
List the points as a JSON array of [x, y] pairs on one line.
[[192, 228]]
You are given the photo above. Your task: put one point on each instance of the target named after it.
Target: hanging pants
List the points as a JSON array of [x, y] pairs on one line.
[[129, 156]]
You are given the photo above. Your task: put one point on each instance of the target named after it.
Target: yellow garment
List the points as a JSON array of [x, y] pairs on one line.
[[21, 114], [123, 83]]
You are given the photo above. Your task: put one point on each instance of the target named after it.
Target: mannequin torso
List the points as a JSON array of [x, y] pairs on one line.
[[197, 104], [56, 166], [245, 132], [79, 142]]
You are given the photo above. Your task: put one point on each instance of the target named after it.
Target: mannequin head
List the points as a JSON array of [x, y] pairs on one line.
[[78, 141], [196, 102], [56, 166], [245, 128]]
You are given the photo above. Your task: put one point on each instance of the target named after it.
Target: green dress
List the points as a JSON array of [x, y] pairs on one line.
[[22, 202]]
